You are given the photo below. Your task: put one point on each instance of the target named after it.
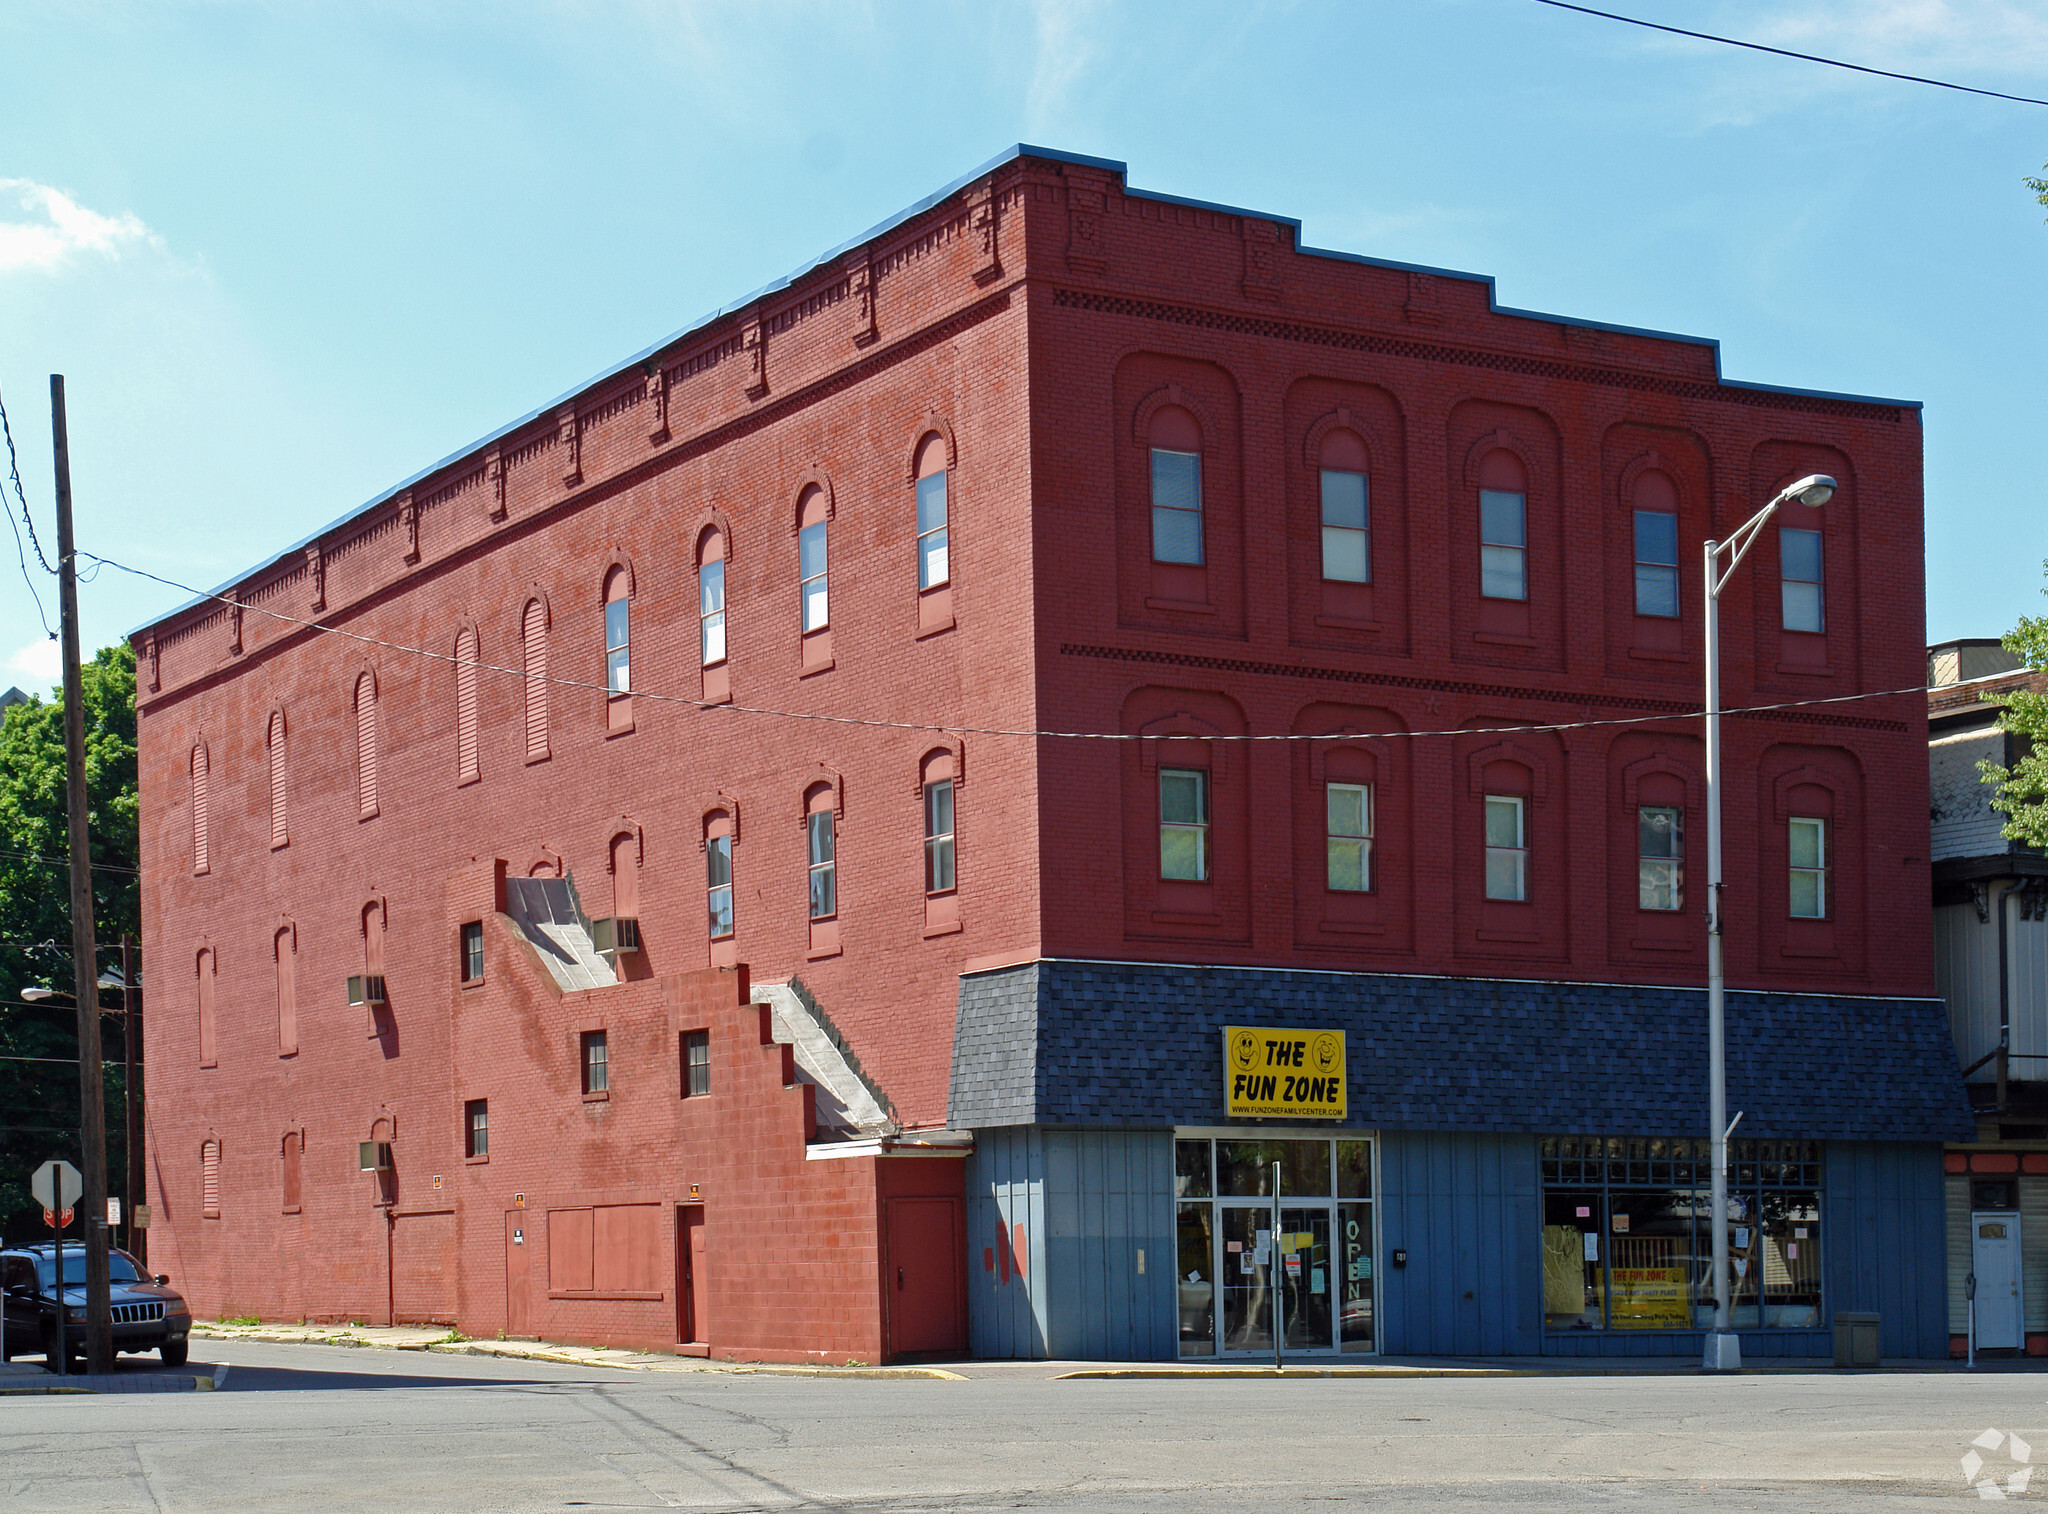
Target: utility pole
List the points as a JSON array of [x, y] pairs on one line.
[[92, 1135], [130, 1007]]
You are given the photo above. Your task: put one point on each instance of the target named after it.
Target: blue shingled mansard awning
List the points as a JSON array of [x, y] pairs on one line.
[[1104, 1043]]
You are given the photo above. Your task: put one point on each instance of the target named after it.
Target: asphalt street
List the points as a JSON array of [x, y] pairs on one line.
[[324, 1428]]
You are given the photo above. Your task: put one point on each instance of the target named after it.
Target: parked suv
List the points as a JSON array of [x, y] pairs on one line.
[[148, 1316]]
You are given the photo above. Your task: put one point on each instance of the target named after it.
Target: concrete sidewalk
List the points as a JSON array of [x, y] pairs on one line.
[[438, 1339]]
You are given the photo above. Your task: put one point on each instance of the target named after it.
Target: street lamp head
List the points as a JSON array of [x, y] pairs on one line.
[[35, 993], [1816, 489]]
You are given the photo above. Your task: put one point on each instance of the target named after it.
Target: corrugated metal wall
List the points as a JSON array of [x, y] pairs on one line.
[[1465, 1209], [1885, 1234], [1956, 1242], [1966, 975], [1088, 1202]]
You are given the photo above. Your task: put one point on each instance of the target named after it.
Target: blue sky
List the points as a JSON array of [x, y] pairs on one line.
[[288, 254]]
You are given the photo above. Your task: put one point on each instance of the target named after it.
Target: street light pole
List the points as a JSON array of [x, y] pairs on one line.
[[1723, 1347]]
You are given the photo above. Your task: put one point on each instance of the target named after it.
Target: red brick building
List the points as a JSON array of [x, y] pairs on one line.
[[494, 814]]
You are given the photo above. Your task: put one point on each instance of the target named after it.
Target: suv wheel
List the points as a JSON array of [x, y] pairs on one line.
[[174, 1352]]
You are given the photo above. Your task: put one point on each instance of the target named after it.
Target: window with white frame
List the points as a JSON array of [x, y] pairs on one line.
[[1808, 844], [933, 567], [1176, 506], [711, 612], [1656, 563], [1507, 847], [1184, 824], [1347, 811], [824, 880], [1503, 544], [1799, 568], [1347, 527], [718, 883], [1660, 856], [617, 664], [938, 836], [810, 547]]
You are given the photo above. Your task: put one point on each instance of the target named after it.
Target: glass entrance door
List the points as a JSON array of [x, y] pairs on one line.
[[1231, 1261]]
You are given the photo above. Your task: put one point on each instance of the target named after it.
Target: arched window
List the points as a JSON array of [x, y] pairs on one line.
[[209, 1179], [289, 1152], [1176, 443], [822, 849], [617, 661], [711, 598], [1347, 521], [285, 949], [1503, 527], [718, 874], [939, 852], [810, 538], [534, 637], [201, 847], [468, 768], [205, 968], [934, 560], [1655, 501], [279, 835], [366, 745]]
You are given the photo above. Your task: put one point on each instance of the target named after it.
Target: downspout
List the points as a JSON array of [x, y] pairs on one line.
[[2004, 994]]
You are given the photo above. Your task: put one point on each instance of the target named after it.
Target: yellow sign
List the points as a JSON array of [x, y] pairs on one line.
[[1283, 1074], [1649, 1298]]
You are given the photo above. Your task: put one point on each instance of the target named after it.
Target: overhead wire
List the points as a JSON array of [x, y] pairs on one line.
[[1786, 52], [952, 727], [14, 472]]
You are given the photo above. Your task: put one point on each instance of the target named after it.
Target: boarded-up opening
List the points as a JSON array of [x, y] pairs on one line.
[[605, 1251], [423, 1268], [534, 632], [467, 766]]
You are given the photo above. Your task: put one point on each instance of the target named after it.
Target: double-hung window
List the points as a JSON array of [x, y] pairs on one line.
[[617, 670], [823, 865], [1808, 842], [476, 1128], [1799, 568], [472, 951], [1176, 507], [938, 836], [1660, 857], [1503, 544], [933, 568], [1347, 529], [696, 1051], [1347, 809], [810, 549], [1507, 847], [597, 1072], [711, 612], [1656, 563], [1184, 824], [718, 884]]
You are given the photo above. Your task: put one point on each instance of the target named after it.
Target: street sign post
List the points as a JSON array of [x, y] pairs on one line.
[[56, 1186]]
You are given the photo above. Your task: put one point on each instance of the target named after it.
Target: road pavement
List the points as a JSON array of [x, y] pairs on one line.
[[304, 1427]]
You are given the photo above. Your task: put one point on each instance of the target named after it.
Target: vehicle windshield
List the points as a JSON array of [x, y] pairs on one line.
[[119, 1269]]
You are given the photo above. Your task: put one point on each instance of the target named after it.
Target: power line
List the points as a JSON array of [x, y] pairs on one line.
[[947, 727], [14, 470], [98, 867], [1785, 52]]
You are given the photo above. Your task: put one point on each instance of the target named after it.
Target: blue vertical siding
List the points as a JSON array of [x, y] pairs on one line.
[[1883, 1237], [1465, 1208], [1089, 1201]]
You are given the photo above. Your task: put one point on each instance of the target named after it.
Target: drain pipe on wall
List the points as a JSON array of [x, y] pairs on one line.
[[2004, 993]]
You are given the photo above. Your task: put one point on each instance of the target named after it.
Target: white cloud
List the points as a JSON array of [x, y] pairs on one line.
[[41, 662], [1915, 36], [58, 227], [1062, 54]]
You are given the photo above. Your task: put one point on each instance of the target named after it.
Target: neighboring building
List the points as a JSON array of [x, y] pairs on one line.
[[875, 1020], [1991, 963], [12, 698]]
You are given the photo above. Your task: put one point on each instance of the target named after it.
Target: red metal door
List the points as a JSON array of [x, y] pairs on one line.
[[691, 1325], [521, 1236], [924, 1282]]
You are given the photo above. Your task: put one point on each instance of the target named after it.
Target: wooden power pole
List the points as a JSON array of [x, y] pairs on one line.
[[92, 1135]]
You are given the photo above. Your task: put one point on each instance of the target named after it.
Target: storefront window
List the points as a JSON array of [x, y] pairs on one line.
[[1233, 1261], [1628, 1233]]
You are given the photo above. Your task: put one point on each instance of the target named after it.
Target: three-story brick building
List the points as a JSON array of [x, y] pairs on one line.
[[761, 853]]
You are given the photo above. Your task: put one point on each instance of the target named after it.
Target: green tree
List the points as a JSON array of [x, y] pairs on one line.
[[2040, 186], [39, 1098], [2020, 792]]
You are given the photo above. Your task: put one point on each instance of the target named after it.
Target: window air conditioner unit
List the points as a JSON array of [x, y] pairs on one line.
[[366, 988], [374, 1156], [616, 936]]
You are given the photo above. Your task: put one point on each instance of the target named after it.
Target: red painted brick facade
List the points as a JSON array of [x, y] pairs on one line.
[[1039, 323]]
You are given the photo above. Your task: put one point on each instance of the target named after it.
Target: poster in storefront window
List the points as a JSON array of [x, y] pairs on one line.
[[1648, 1298]]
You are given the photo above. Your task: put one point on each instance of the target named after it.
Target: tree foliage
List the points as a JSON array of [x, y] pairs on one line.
[[2040, 186], [39, 1099], [2020, 792]]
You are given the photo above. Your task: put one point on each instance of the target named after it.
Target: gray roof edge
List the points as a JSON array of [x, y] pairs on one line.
[[890, 223]]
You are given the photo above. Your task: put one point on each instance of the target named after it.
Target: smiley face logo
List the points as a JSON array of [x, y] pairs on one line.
[[1325, 1054], [1244, 1050]]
